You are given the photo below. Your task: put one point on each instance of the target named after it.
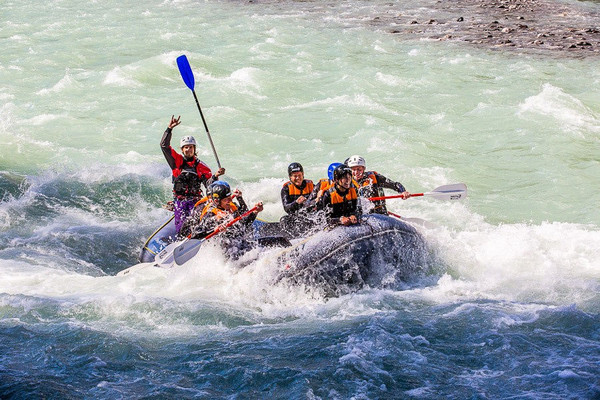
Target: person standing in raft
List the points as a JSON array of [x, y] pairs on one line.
[[218, 211], [371, 184], [340, 202], [189, 173], [295, 195]]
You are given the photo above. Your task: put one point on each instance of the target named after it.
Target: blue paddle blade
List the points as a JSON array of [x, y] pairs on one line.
[[186, 71]]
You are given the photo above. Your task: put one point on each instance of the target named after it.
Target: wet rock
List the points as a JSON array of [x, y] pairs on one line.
[[552, 26]]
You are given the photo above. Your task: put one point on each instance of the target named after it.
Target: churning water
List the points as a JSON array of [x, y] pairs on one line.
[[87, 90]]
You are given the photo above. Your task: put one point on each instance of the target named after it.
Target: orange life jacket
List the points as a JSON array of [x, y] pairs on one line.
[[325, 184], [201, 201], [294, 191], [369, 179], [219, 213], [336, 198]]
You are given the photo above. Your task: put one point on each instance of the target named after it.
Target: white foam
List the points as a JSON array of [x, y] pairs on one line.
[[6, 96], [120, 77], [566, 109], [357, 100], [65, 82], [390, 80], [551, 262], [42, 120]]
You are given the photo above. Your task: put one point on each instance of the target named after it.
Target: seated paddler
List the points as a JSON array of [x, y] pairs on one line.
[[219, 209], [295, 195], [371, 184], [340, 202]]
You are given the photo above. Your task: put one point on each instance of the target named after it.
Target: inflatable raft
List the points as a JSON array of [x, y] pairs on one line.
[[380, 252], [158, 240]]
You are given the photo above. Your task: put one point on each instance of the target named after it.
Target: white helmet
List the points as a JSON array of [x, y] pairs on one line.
[[356, 161], [187, 140]]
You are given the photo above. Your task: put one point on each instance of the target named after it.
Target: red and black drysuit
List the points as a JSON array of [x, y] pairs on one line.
[[188, 177]]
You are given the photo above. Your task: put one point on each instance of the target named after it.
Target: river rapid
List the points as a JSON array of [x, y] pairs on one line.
[[510, 310]]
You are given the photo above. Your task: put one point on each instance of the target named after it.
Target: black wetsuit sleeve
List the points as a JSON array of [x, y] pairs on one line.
[[248, 220], [389, 184], [313, 195], [323, 201], [165, 146], [242, 206], [289, 205], [325, 205], [242, 209], [207, 182]]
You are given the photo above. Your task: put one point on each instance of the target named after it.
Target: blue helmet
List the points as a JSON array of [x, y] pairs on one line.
[[331, 168], [218, 190]]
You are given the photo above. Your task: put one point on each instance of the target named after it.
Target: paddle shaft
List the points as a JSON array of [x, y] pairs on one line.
[[397, 196], [394, 215], [454, 191], [188, 78], [206, 127]]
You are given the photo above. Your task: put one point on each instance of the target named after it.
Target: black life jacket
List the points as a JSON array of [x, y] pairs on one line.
[[187, 183]]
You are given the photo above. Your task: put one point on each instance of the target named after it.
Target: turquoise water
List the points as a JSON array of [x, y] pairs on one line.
[[88, 89]]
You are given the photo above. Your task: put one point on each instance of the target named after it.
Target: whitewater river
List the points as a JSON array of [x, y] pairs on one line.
[[511, 309]]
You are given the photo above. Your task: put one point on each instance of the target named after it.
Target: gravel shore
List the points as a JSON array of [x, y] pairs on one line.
[[549, 27]]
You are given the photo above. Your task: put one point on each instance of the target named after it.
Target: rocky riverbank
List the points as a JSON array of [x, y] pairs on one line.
[[542, 26]]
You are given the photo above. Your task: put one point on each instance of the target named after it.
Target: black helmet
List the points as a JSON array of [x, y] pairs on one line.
[[295, 167], [218, 190], [340, 171]]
